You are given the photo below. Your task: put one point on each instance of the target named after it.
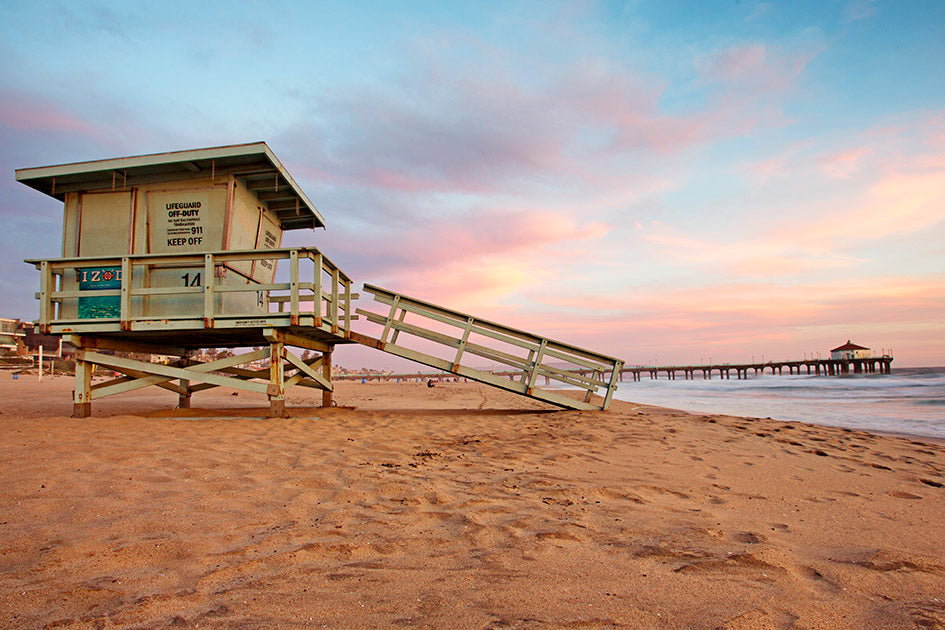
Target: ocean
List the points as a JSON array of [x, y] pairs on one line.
[[909, 401]]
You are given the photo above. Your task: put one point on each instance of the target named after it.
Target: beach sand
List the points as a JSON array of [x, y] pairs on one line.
[[459, 506]]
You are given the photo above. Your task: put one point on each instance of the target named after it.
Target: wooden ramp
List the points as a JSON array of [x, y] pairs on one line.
[[456, 342]]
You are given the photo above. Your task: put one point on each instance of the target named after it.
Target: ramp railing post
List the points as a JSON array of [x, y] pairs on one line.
[[616, 375], [462, 343], [537, 365], [390, 320]]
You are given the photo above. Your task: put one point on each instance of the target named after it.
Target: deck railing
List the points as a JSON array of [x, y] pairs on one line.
[[319, 295]]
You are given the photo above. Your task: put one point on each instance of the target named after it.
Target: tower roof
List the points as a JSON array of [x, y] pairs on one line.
[[254, 164]]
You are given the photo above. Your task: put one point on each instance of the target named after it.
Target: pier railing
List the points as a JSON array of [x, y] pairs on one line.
[[153, 292]]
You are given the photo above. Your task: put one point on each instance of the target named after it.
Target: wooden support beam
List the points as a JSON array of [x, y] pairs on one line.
[[326, 375], [274, 335], [183, 399], [90, 342], [133, 379], [276, 388], [299, 377], [82, 395], [200, 373], [308, 371]]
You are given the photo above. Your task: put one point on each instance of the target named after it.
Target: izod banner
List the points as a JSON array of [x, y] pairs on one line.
[[184, 221], [98, 279]]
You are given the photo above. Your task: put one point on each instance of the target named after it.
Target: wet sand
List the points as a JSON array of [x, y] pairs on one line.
[[459, 506]]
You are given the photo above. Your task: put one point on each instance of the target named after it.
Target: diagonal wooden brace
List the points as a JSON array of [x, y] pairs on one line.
[[200, 373]]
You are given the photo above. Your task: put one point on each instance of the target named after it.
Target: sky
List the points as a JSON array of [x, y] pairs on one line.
[[665, 182]]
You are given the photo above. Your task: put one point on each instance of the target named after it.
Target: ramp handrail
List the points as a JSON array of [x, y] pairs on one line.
[[529, 355]]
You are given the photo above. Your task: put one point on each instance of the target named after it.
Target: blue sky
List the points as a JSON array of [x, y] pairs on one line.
[[654, 179]]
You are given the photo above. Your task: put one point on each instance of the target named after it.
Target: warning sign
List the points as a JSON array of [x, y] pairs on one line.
[[185, 221]]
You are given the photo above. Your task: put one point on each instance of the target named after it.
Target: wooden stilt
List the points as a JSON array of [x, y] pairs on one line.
[[326, 373], [276, 388], [183, 399], [82, 396]]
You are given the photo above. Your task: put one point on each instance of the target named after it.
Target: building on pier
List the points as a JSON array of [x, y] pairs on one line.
[[850, 351]]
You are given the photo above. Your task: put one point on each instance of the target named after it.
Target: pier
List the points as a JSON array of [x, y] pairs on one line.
[[817, 367], [814, 367]]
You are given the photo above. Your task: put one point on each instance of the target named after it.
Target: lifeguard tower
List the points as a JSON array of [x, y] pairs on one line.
[[167, 254]]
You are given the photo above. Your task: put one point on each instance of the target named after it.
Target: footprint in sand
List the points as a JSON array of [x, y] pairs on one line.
[[748, 538], [903, 495]]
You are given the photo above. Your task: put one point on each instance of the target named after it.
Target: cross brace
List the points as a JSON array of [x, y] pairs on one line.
[[185, 375]]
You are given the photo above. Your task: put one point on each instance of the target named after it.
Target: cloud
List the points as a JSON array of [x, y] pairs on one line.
[[859, 10], [899, 202], [680, 323], [490, 129], [843, 165], [21, 113], [753, 68], [469, 260]]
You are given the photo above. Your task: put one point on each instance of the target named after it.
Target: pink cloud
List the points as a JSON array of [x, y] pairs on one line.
[[754, 67], [735, 320], [472, 259], [844, 164], [38, 116], [897, 203]]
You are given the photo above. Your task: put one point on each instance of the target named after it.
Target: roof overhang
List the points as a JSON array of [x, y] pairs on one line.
[[254, 164]]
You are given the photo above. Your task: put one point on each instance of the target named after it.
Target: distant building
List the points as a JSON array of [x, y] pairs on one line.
[[11, 337], [850, 350], [18, 338]]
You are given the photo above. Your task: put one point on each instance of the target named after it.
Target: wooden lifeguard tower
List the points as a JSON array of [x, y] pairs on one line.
[[167, 254]]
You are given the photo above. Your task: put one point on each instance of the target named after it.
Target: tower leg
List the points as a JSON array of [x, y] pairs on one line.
[[82, 396], [326, 372], [276, 382], [183, 400]]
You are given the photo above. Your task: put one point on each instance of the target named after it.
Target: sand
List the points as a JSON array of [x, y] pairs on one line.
[[458, 506]]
